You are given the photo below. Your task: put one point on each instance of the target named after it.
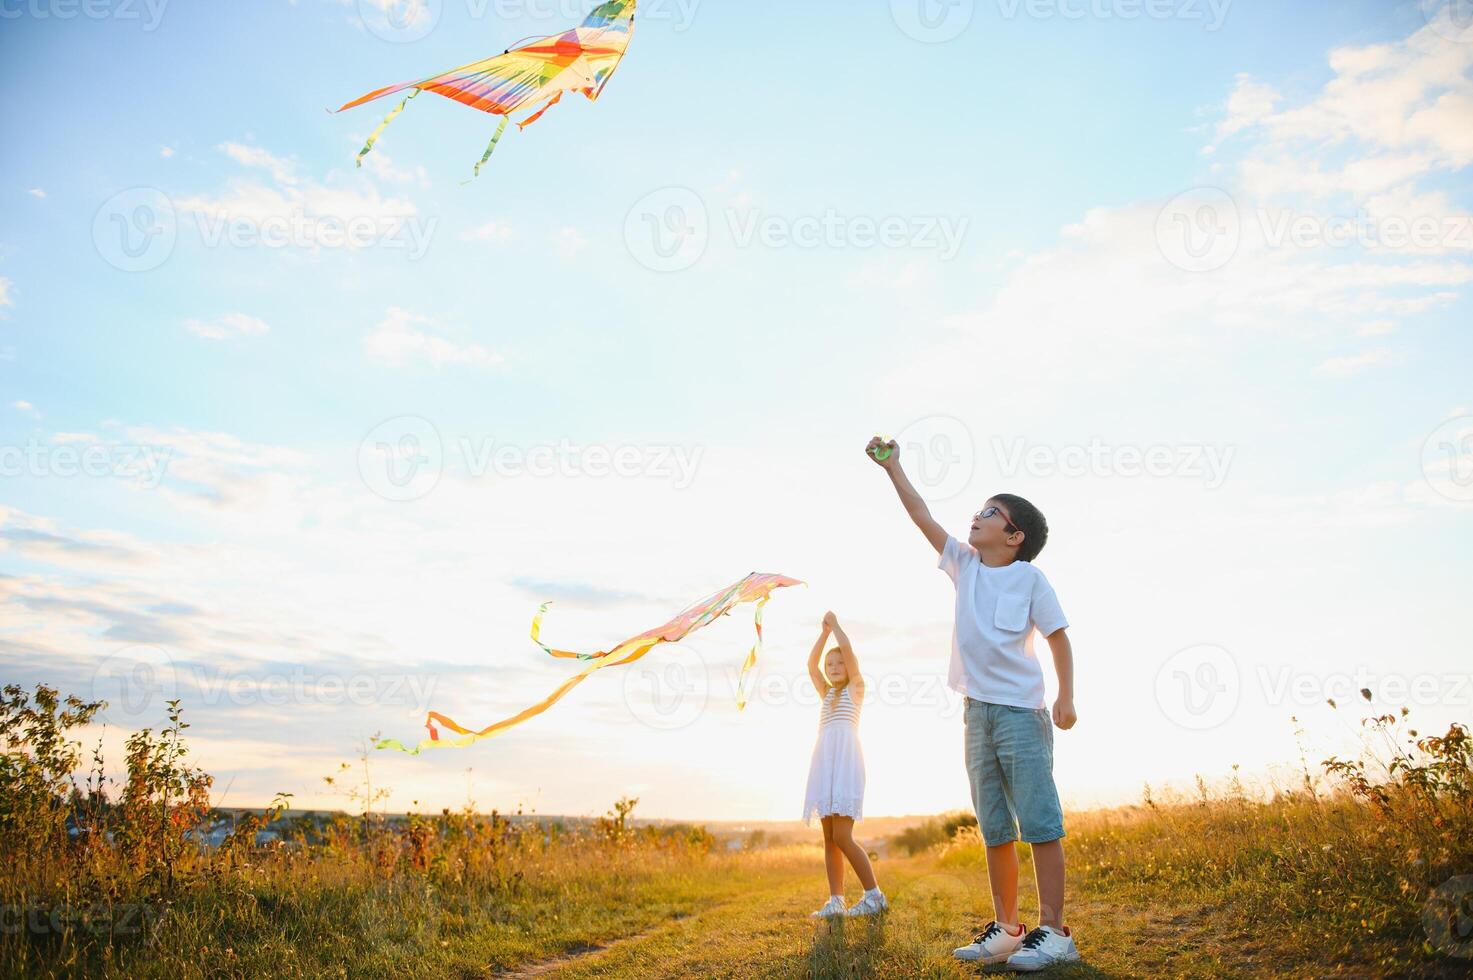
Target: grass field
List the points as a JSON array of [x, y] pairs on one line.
[[1356, 874]]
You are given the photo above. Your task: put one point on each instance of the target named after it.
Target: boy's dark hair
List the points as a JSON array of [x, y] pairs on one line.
[[1028, 519]]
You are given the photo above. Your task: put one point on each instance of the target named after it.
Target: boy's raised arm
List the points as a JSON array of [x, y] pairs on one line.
[[909, 498]]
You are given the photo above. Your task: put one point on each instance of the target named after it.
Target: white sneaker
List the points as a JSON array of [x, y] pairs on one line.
[[834, 906], [993, 944], [873, 903], [1044, 947]]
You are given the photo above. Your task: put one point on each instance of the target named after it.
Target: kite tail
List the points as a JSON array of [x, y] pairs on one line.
[[373, 137], [537, 639], [476, 172], [471, 736], [538, 114], [751, 660]]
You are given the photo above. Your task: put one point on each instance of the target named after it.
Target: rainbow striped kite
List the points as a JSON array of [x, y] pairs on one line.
[[756, 587], [531, 75]]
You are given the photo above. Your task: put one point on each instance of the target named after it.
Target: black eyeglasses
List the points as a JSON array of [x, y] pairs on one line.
[[987, 512]]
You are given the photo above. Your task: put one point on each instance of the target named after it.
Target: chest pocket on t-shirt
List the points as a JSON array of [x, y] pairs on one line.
[[1012, 612]]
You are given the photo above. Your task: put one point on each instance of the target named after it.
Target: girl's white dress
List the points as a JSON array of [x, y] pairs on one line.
[[836, 775]]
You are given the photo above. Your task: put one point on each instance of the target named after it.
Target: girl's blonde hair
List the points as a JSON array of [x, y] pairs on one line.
[[847, 678]]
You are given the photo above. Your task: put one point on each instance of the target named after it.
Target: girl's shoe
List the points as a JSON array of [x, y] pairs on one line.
[[1043, 947], [873, 903], [993, 944], [834, 906]]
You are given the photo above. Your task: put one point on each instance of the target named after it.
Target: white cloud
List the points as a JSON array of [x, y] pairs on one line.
[[1376, 328], [37, 192], [1353, 364], [903, 275], [1283, 174], [166, 151], [1249, 105], [1349, 160], [254, 156], [495, 232], [1391, 112], [380, 165], [399, 340], [259, 204], [26, 407], [211, 473], [217, 472], [304, 213], [43, 538], [568, 242], [229, 325]]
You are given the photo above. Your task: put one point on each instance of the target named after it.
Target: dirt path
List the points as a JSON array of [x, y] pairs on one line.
[[767, 933], [575, 957], [628, 956]]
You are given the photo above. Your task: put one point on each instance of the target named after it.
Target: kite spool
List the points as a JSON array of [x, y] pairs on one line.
[[882, 451]]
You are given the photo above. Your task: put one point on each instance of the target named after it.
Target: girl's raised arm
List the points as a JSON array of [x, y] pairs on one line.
[[851, 662], [820, 682]]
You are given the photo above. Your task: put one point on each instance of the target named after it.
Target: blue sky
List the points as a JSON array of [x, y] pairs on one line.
[[1308, 403]]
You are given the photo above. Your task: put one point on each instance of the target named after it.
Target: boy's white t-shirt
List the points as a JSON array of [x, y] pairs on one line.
[[997, 610]]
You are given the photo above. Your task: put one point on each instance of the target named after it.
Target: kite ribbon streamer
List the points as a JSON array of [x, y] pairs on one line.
[[538, 114], [373, 136], [500, 128], [751, 660], [756, 587]]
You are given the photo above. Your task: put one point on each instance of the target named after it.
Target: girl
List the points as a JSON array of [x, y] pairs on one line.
[[836, 775]]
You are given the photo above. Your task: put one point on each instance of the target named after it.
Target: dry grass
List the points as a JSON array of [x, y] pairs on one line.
[[104, 880], [1333, 877]]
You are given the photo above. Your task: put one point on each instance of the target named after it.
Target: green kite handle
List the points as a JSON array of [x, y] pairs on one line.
[[882, 451]]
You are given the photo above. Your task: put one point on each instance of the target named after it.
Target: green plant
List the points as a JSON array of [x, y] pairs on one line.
[[36, 785], [937, 830], [163, 799], [614, 825]]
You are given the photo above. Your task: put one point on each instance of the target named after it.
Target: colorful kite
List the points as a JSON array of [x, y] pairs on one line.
[[531, 75], [756, 587]]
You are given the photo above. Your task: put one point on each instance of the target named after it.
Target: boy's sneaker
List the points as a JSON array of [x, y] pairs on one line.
[[992, 945], [873, 903], [1044, 947], [834, 906]]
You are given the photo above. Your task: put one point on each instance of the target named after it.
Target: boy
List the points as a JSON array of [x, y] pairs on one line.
[[1000, 599]]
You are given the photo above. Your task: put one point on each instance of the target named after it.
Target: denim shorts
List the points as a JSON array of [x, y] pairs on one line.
[[1010, 761]]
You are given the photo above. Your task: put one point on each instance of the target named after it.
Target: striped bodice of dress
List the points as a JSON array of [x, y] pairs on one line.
[[838, 708]]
